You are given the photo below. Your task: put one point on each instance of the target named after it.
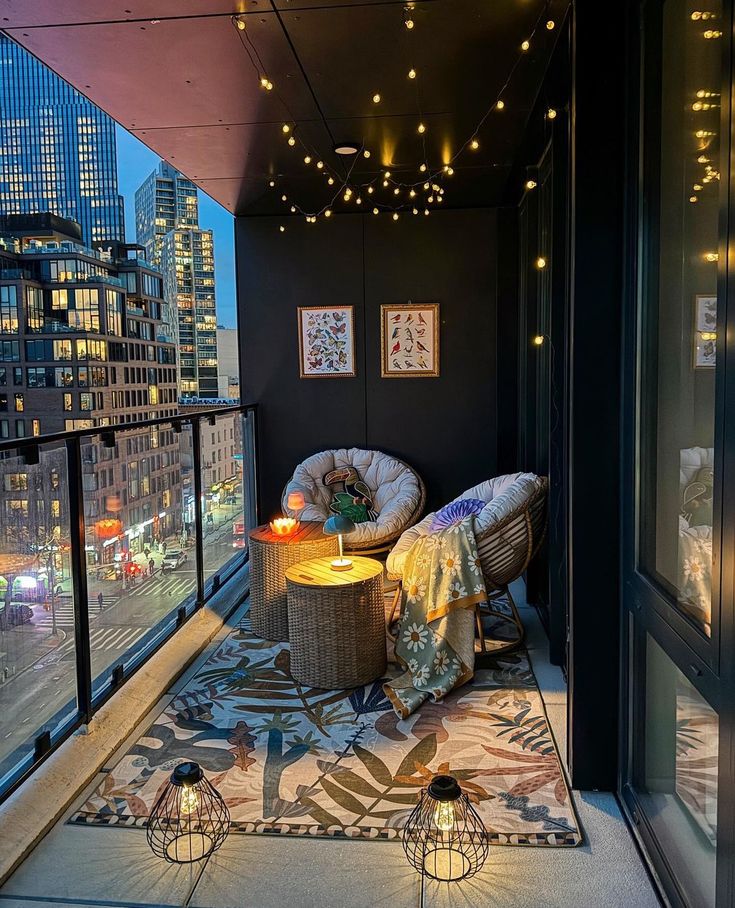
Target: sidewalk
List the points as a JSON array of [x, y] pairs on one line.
[[24, 646]]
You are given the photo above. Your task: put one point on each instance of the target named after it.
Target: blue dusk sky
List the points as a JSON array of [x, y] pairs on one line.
[[134, 162]]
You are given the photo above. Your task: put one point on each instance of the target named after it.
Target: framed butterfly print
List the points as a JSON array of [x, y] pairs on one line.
[[409, 340], [326, 342]]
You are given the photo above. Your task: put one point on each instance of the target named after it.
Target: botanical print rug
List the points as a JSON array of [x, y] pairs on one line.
[[295, 760]]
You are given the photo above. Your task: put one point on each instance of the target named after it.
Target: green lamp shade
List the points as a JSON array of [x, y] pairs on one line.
[[338, 524]]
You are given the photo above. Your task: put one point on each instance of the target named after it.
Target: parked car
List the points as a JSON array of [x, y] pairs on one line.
[[172, 559], [230, 499]]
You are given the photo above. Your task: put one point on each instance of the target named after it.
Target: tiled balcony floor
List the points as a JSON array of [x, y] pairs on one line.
[[77, 866]]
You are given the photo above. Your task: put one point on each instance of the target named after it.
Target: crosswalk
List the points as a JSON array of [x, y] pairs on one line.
[[102, 639], [169, 588], [64, 612]]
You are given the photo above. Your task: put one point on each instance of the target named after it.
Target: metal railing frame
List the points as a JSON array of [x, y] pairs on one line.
[[87, 701]]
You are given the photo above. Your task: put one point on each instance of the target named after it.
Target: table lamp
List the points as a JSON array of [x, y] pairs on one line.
[[338, 525], [295, 502]]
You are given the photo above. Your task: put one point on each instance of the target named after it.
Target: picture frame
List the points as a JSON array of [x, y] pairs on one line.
[[704, 351], [409, 340], [326, 341]]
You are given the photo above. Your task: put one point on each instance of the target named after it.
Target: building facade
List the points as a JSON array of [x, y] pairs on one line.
[[59, 149], [81, 348], [228, 359], [167, 225]]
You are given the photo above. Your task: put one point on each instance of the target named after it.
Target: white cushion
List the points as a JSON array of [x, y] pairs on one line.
[[691, 461], [503, 494], [394, 486]]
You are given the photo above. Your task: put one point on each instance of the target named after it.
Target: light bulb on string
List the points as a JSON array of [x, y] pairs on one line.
[[375, 210], [415, 210], [307, 159], [320, 165], [284, 197], [408, 18], [328, 213], [540, 263], [271, 183], [240, 23], [395, 215], [370, 190], [358, 201], [376, 98], [551, 114], [282, 228], [411, 73], [412, 194], [396, 191], [423, 168], [385, 183], [426, 186], [474, 144], [291, 141], [426, 211], [525, 45], [293, 209], [387, 174], [430, 199], [286, 128], [266, 83], [421, 128], [366, 153], [550, 25], [530, 184], [331, 181], [500, 104]]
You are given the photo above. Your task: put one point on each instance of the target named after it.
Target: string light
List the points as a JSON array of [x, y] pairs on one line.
[[449, 171], [474, 144], [412, 194], [293, 209], [412, 73], [286, 127], [540, 263], [366, 153], [331, 181], [387, 174], [385, 183], [500, 104], [711, 34], [692, 198], [407, 18], [396, 191], [423, 168], [271, 183], [414, 210], [239, 22], [426, 211], [711, 257], [370, 190], [426, 186], [525, 45], [395, 215], [550, 25], [530, 184], [307, 159], [291, 141], [328, 213], [376, 98], [282, 228], [551, 114], [320, 165], [375, 210], [358, 201], [421, 128], [538, 340], [266, 83], [284, 197]]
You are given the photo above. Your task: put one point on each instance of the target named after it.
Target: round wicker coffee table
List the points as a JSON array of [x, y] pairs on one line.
[[336, 623], [270, 555]]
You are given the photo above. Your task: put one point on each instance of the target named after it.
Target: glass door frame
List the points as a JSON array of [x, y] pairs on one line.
[[706, 663]]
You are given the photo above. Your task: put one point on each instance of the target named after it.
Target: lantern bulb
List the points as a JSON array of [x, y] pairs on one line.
[[412, 73], [189, 800], [307, 159], [395, 215], [423, 168], [366, 153], [291, 141], [500, 105], [551, 114], [525, 45], [421, 128], [375, 210], [271, 183], [538, 340], [320, 165], [474, 144], [550, 25], [286, 127], [444, 816], [530, 184], [376, 98], [540, 262]]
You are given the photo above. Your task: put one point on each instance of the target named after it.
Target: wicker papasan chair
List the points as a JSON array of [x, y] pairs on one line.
[[398, 495], [509, 531]]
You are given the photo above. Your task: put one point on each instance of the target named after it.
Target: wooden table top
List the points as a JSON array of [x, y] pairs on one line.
[[308, 531], [318, 572]]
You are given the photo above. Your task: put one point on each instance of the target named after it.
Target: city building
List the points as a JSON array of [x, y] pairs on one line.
[[167, 225], [58, 149], [80, 348], [228, 362]]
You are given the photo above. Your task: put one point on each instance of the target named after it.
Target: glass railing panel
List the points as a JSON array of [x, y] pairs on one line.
[[225, 460], [37, 639], [140, 543]]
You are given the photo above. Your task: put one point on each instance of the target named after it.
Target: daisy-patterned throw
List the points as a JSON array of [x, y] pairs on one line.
[[435, 643]]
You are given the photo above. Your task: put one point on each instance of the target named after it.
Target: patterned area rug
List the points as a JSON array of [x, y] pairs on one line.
[[300, 761]]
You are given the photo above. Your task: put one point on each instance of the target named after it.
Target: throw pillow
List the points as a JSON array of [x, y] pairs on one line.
[[455, 513]]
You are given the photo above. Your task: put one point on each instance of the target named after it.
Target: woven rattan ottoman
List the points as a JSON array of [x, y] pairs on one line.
[[336, 623], [270, 555]]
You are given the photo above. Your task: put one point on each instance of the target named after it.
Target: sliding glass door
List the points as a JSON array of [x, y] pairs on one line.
[[678, 616]]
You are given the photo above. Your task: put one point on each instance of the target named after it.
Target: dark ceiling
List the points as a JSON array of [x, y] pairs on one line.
[[177, 74]]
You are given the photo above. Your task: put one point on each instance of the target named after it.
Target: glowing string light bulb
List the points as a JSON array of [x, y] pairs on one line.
[[538, 340], [395, 215], [540, 263], [189, 802], [366, 153], [331, 181], [307, 159], [500, 104], [421, 128], [411, 73], [240, 23], [551, 114], [550, 25], [530, 184], [271, 183], [286, 128], [423, 168], [474, 144], [291, 141], [320, 165], [376, 98], [328, 213], [282, 228], [525, 45], [375, 210]]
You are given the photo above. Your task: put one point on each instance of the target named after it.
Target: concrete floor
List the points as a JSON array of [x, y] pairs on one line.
[[75, 866]]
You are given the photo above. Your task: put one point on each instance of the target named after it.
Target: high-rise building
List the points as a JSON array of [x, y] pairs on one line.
[[80, 348], [59, 152], [167, 225]]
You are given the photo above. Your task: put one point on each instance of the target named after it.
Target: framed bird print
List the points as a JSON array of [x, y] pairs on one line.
[[409, 340], [326, 342]]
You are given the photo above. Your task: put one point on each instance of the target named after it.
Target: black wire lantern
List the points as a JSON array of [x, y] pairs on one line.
[[190, 820], [444, 837]]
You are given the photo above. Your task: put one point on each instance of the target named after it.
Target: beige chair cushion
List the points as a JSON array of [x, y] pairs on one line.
[[503, 494], [396, 492]]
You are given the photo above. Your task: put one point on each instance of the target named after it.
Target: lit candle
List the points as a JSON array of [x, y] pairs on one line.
[[284, 526]]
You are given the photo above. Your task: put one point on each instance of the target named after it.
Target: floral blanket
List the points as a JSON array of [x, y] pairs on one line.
[[435, 644]]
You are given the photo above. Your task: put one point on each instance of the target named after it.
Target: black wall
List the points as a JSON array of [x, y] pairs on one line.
[[445, 427]]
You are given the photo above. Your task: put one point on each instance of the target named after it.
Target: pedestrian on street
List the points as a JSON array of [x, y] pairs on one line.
[[146, 551], [151, 567], [163, 548], [100, 600]]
